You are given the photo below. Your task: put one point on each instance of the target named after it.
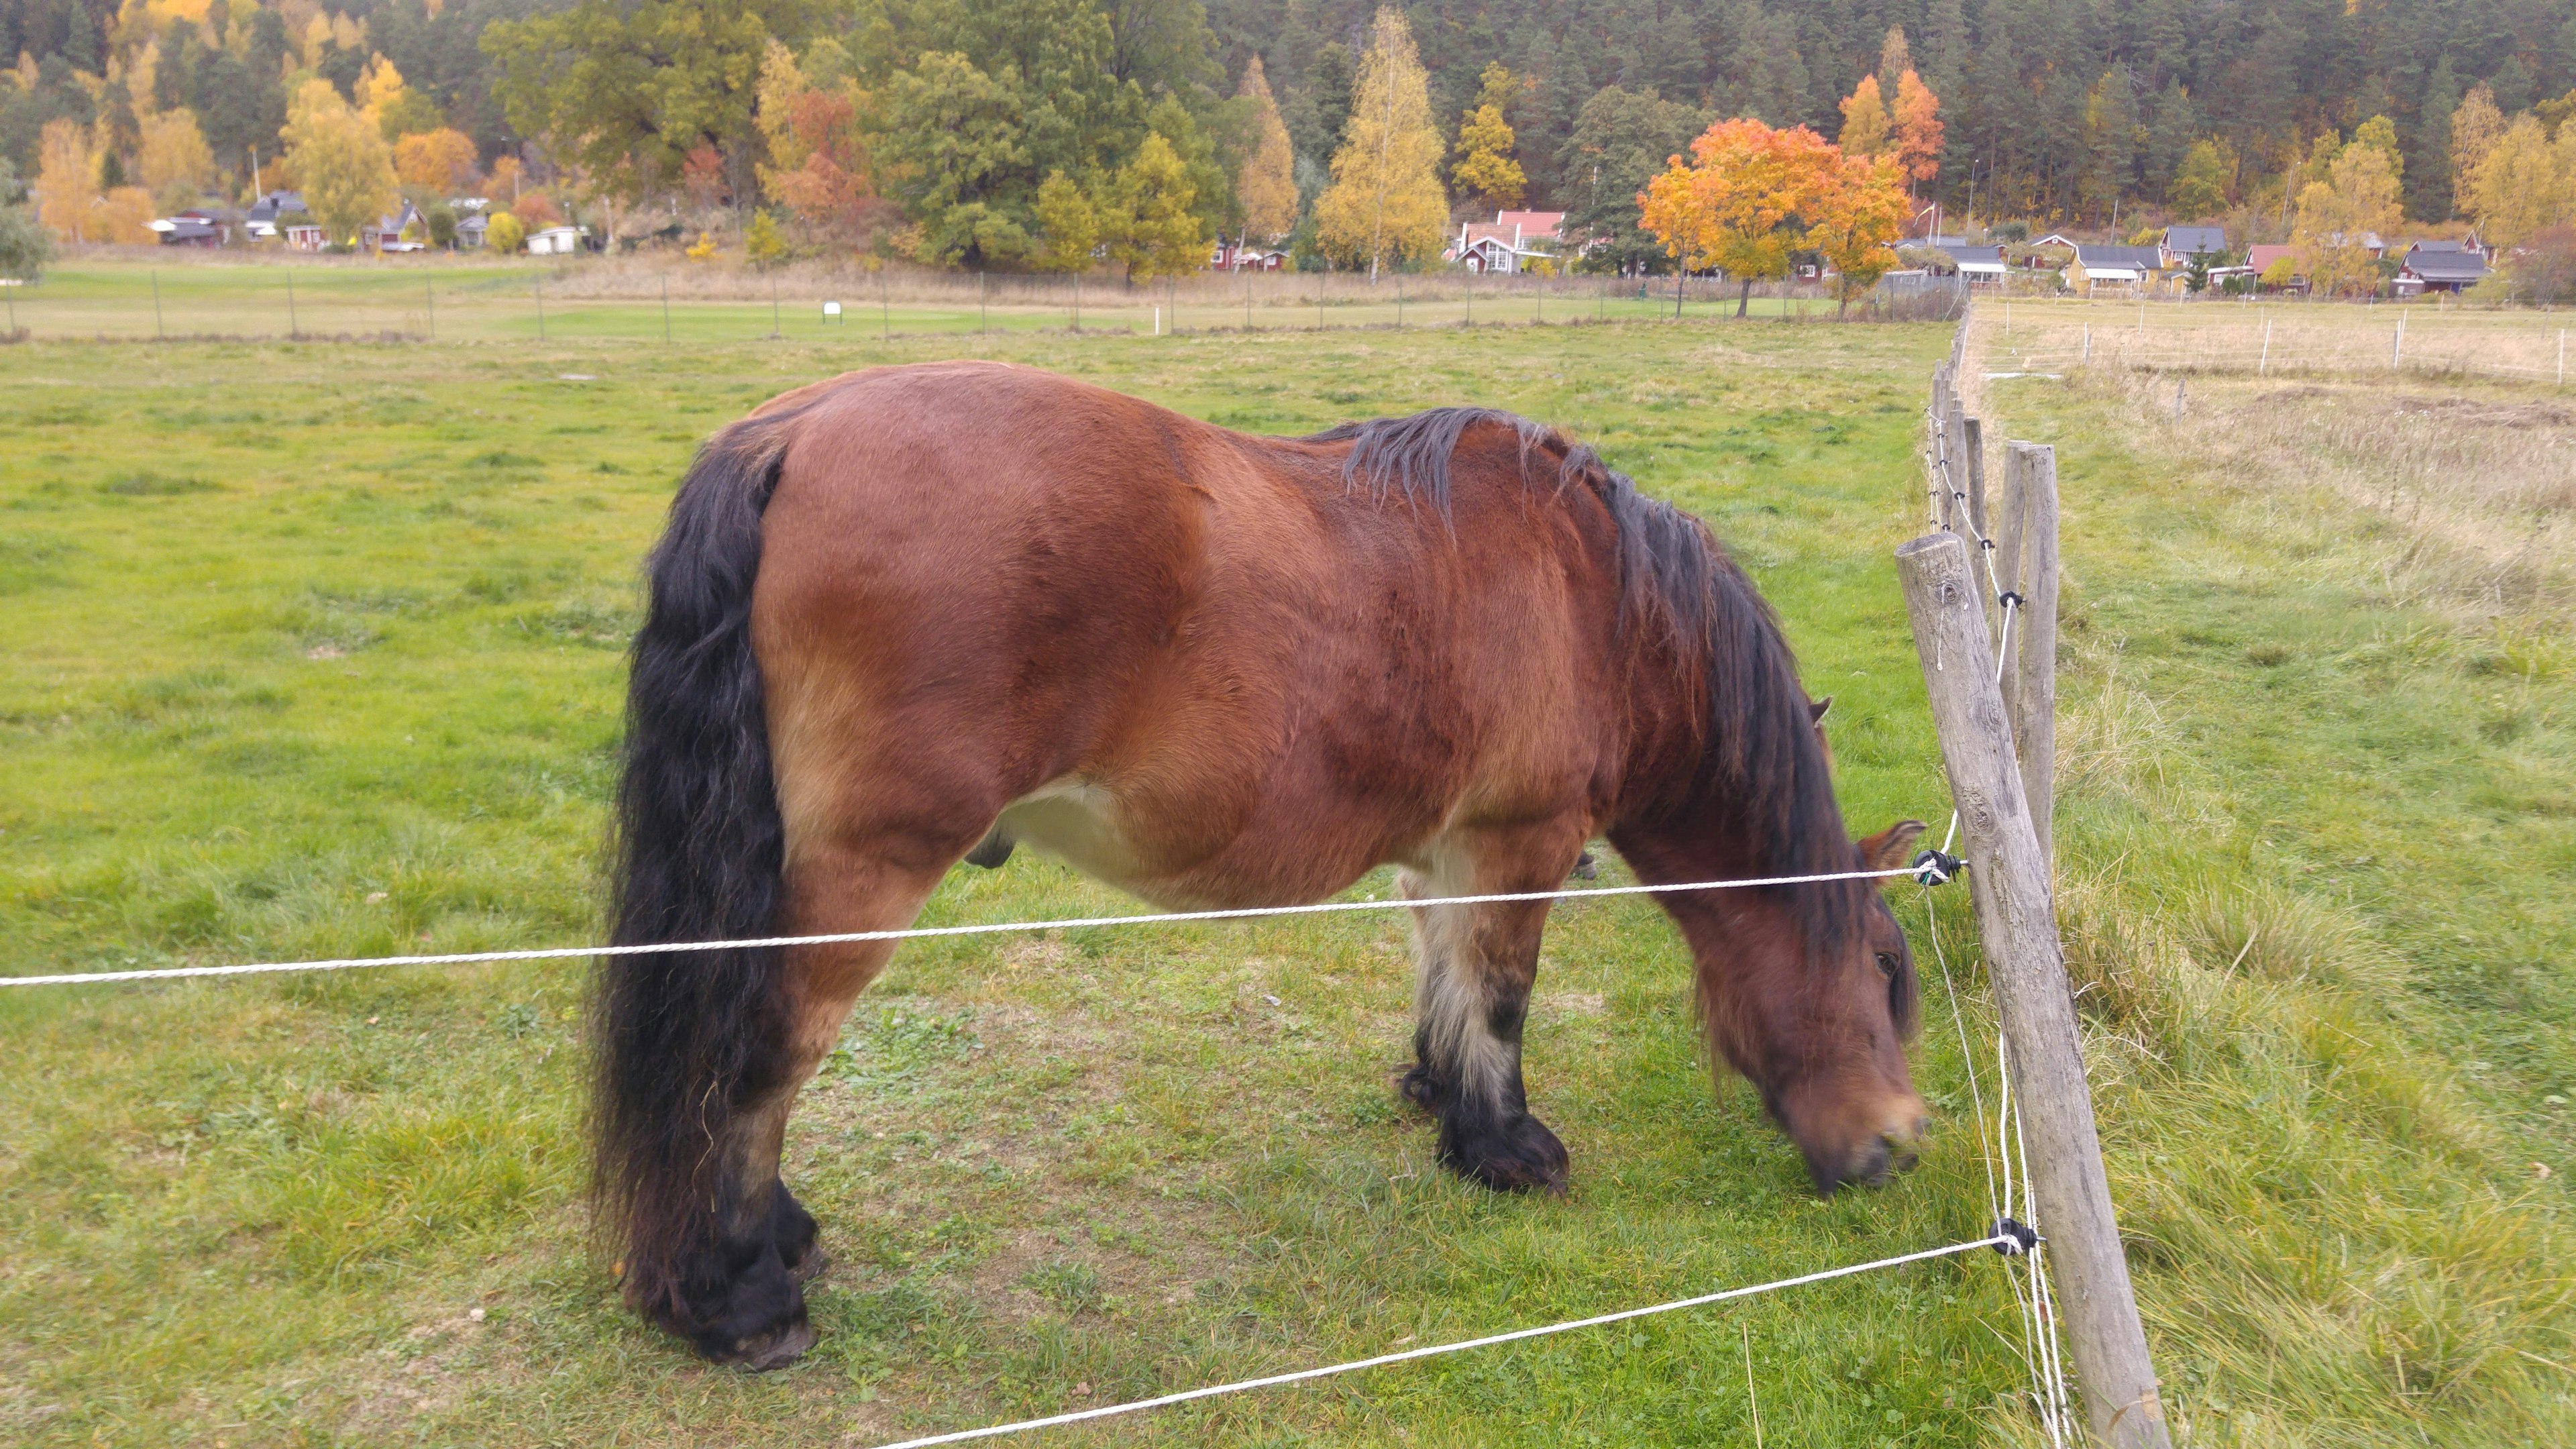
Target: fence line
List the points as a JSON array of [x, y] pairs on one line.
[[2008, 1238], [600, 301], [916, 933]]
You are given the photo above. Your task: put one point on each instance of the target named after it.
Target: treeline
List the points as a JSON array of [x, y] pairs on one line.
[[933, 128]]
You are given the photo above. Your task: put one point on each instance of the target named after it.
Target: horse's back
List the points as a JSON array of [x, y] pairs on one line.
[[1192, 662]]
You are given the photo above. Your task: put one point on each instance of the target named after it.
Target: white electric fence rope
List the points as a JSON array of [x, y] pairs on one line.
[[1997, 1240], [916, 933]]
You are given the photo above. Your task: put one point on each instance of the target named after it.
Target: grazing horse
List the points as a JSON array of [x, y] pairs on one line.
[[917, 612]]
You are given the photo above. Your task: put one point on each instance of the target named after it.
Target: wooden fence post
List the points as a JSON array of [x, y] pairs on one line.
[[1973, 445], [2032, 572], [2010, 886]]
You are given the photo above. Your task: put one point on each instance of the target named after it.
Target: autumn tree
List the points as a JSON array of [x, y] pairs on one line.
[[1385, 201], [390, 104], [440, 160], [627, 89], [1153, 224], [2524, 183], [1743, 202], [1267, 186], [2340, 215], [1865, 121], [2475, 128], [342, 162], [1069, 224], [1857, 211], [66, 188], [2202, 182], [1917, 120], [2381, 133], [173, 159], [1895, 57], [818, 164], [1485, 165]]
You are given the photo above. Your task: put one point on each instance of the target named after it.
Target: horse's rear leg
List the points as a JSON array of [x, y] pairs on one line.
[[1474, 969], [767, 1247]]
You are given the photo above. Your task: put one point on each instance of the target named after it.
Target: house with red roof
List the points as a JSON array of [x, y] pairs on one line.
[[1508, 243]]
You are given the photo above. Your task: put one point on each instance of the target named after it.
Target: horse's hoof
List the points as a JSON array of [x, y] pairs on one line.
[[775, 1350], [1521, 1155]]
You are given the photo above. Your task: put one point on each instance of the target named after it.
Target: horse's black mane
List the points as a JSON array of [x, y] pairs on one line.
[[1760, 759]]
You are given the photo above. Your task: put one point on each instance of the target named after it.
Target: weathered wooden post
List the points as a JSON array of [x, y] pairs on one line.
[[2031, 571], [1973, 446], [2010, 885]]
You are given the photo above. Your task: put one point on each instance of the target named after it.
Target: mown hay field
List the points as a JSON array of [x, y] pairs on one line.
[[314, 650]]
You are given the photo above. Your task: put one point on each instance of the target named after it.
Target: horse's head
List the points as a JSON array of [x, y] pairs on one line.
[[1839, 1083], [1815, 1009]]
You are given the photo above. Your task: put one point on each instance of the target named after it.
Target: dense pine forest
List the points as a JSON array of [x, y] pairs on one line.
[[939, 122]]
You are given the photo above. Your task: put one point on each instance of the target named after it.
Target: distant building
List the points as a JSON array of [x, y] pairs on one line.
[[192, 228], [1239, 257], [557, 241], [385, 233], [1508, 243], [2096, 266], [2259, 260], [280, 216], [2439, 267], [1978, 264], [2181, 243]]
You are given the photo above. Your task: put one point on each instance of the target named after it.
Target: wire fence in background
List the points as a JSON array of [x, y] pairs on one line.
[[400, 301], [2421, 338]]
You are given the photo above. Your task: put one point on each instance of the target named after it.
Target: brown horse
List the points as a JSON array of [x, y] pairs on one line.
[[917, 612]]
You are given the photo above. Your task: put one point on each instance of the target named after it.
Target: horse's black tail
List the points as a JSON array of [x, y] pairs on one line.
[[690, 1040]]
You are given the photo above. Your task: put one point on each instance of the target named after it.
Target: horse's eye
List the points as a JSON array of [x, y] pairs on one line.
[[1887, 964]]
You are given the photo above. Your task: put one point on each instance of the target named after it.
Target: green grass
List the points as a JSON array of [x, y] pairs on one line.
[[313, 650], [442, 299]]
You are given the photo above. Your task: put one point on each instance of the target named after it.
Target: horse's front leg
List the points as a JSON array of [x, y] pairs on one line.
[[1474, 969]]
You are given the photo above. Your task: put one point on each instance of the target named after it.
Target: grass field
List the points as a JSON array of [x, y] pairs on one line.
[[102, 297], [314, 650]]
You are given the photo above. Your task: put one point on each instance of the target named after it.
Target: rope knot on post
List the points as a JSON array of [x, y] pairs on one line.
[[1933, 868], [2008, 599], [2014, 1239]]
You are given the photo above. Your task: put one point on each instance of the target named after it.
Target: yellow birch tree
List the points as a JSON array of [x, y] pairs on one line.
[[1385, 203], [346, 169], [1268, 186], [2475, 128], [1485, 163]]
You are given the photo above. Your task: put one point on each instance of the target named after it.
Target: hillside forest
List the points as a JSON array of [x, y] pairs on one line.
[[1028, 133]]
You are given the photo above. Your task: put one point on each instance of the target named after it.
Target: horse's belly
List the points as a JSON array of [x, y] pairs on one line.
[[1077, 822], [1114, 841]]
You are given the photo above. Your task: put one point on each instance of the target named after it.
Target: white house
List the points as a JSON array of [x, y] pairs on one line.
[[1508, 243], [556, 241]]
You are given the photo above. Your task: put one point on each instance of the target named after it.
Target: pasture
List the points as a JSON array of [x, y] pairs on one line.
[[118, 295], [314, 650]]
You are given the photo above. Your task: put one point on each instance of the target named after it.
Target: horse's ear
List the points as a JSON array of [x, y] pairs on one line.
[[1816, 709], [1888, 848]]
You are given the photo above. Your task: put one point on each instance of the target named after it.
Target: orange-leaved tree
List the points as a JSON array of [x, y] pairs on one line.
[[1858, 210], [1743, 202], [1917, 122]]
